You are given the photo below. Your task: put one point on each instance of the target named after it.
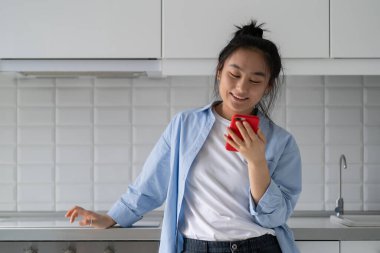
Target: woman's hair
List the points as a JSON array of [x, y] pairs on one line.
[[250, 36]]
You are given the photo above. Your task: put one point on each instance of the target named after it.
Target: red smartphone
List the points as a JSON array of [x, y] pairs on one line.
[[251, 119]]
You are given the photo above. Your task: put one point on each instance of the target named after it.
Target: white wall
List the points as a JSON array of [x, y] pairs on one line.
[[81, 141]]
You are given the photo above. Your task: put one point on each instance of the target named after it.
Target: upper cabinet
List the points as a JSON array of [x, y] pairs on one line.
[[80, 29], [200, 29], [355, 28]]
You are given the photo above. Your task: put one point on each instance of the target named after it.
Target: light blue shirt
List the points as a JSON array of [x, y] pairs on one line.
[[165, 171]]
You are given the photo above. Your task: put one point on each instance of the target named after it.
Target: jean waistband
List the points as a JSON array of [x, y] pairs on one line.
[[232, 246]]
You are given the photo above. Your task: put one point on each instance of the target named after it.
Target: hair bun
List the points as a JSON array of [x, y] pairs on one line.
[[251, 29]]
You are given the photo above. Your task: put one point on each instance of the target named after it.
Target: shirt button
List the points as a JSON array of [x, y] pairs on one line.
[[234, 246]]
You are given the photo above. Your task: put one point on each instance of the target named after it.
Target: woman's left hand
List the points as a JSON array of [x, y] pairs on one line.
[[252, 146]]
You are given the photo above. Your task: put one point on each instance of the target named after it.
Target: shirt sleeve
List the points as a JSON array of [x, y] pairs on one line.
[[150, 188], [279, 200]]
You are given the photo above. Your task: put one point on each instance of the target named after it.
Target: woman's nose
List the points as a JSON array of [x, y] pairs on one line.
[[242, 85]]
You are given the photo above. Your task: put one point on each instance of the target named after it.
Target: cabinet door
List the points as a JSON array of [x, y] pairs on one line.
[[318, 246], [360, 246], [355, 28], [200, 29], [80, 29]]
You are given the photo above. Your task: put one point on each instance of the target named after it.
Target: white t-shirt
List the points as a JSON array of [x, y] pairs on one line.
[[216, 199]]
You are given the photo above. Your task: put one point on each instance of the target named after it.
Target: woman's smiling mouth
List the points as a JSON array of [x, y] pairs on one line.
[[238, 98]]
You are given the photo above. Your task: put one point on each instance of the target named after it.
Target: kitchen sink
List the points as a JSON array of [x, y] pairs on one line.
[[357, 220]]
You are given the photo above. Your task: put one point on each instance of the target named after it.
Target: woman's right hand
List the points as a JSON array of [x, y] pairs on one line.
[[90, 218]]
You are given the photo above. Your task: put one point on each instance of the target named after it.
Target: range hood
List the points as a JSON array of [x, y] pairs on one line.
[[83, 67]]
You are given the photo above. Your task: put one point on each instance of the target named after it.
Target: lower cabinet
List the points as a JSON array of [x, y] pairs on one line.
[[360, 246], [318, 246]]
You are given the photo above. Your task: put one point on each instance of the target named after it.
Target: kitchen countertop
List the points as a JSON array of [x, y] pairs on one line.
[[54, 227]]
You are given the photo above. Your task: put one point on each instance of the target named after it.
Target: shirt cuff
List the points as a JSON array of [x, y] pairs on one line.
[[268, 202], [123, 215]]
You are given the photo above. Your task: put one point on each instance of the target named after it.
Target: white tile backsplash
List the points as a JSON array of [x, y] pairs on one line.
[[304, 115], [32, 193], [108, 192], [147, 134], [113, 96], [76, 174], [7, 135], [29, 96], [8, 193], [372, 115], [105, 174], [35, 82], [40, 116], [112, 154], [353, 153], [35, 174], [298, 96], [371, 174], [344, 135], [338, 96], [112, 116], [150, 96], [68, 141], [7, 154], [372, 154], [346, 116], [74, 135], [308, 135], [189, 96], [33, 154], [372, 95], [343, 81], [7, 116], [68, 154], [74, 96], [372, 135], [113, 135], [74, 116], [35, 135], [7, 96], [8, 173], [150, 116], [74, 193]]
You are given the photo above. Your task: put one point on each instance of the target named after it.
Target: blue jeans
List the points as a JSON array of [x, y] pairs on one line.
[[263, 244]]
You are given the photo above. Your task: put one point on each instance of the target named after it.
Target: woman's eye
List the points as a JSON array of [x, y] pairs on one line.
[[234, 76], [254, 81]]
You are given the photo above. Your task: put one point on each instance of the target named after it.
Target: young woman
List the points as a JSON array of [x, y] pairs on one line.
[[218, 200]]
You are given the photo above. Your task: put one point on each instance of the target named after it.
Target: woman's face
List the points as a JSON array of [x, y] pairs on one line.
[[243, 81]]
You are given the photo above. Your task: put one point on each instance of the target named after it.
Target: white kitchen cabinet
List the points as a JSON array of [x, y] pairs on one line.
[[200, 29], [80, 29], [318, 246], [360, 246], [355, 28]]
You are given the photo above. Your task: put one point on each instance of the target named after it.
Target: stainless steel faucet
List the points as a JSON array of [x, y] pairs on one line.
[[339, 209]]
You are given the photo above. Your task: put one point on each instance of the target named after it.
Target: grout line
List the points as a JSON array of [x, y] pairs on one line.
[[363, 136], [54, 172], [131, 132], [16, 145], [93, 143], [330, 38], [324, 141]]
